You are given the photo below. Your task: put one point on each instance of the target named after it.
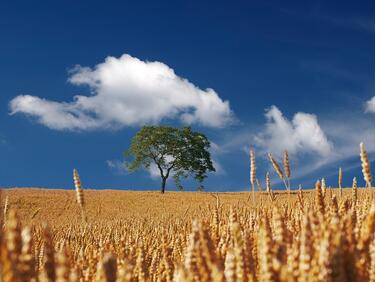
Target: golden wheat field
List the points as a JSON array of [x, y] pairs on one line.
[[317, 235]]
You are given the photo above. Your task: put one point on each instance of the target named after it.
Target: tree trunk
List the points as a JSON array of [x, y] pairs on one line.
[[163, 182]]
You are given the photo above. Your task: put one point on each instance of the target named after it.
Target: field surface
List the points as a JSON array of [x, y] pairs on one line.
[[106, 235], [59, 206]]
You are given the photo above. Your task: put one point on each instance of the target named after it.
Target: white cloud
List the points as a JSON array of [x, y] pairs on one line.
[[370, 105], [53, 114], [127, 91], [319, 146], [302, 134]]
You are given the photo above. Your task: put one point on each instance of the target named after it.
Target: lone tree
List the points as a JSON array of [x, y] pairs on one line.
[[175, 151]]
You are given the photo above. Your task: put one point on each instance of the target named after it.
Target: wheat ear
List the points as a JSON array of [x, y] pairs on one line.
[[110, 267], [340, 181], [252, 172], [366, 169], [319, 198], [277, 169], [6, 207], [324, 187], [354, 191], [268, 183], [79, 194], [287, 170], [300, 198], [268, 187]]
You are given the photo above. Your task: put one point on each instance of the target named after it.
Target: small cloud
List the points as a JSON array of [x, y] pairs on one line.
[[355, 23], [370, 105], [302, 134], [218, 167], [366, 24], [118, 167], [154, 171], [127, 91], [214, 147], [335, 71], [216, 150]]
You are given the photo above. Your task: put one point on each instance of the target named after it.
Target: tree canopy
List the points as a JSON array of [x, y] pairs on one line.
[[175, 151]]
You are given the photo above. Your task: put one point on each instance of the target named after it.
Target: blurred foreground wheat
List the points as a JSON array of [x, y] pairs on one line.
[[311, 237]]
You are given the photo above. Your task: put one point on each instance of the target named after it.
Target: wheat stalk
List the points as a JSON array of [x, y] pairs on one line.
[[340, 181], [287, 170], [252, 173], [268, 182], [324, 187], [276, 166], [110, 268], [79, 194], [6, 207], [319, 198], [366, 168], [62, 266], [27, 259], [301, 199], [277, 169], [49, 254], [354, 191], [268, 187]]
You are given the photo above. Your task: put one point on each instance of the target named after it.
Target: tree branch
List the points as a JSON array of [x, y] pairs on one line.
[[169, 169], [161, 170]]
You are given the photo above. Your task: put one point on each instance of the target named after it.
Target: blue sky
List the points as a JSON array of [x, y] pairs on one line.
[[79, 78]]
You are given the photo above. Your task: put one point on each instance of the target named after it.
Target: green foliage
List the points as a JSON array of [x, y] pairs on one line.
[[177, 150]]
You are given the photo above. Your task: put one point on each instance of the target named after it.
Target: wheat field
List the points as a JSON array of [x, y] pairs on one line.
[[316, 235], [321, 234]]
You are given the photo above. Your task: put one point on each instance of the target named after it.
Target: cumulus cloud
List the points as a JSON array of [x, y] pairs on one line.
[[127, 91], [370, 105], [319, 145], [302, 134]]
